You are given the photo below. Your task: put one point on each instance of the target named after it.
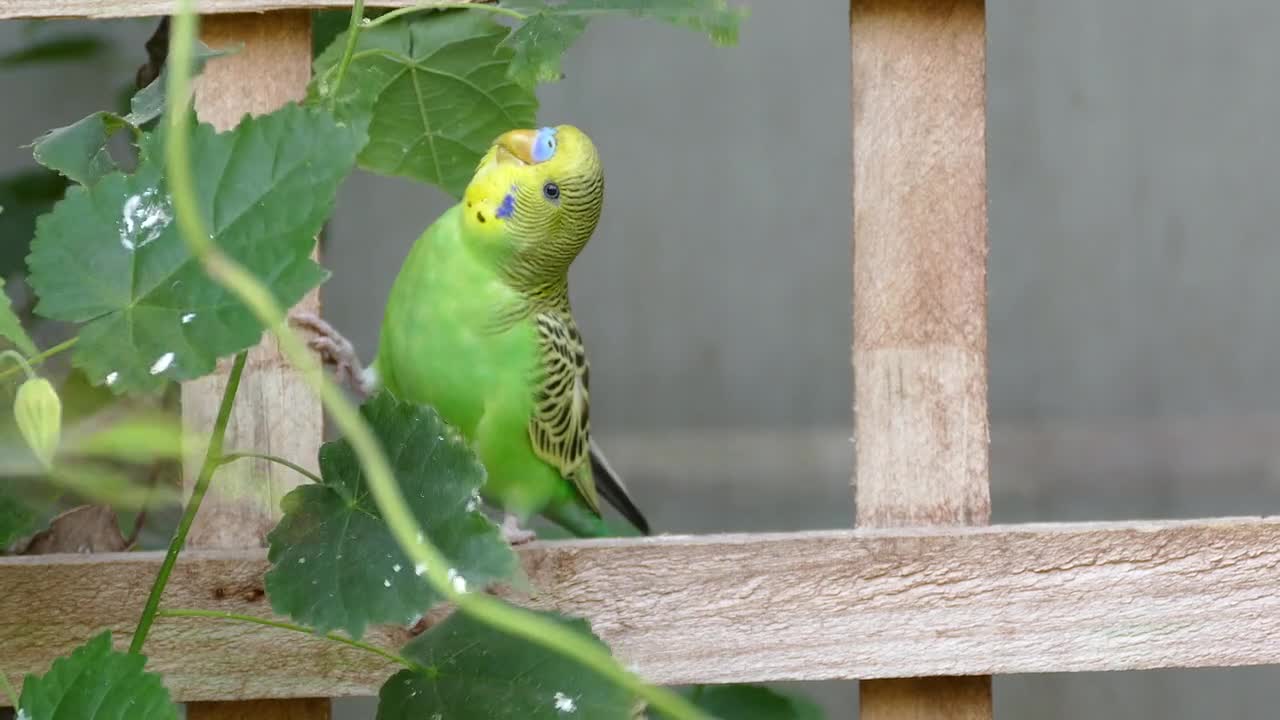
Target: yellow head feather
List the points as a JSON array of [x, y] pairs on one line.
[[534, 201]]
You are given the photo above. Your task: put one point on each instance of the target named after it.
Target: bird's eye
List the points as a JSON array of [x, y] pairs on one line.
[[551, 191]]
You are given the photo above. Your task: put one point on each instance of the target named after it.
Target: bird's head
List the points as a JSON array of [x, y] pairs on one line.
[[535, 199]]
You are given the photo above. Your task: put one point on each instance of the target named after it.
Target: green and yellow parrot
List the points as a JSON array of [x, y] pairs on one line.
[[478, 326]]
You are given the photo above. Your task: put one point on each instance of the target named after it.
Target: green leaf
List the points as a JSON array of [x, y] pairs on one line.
[[102, 483], [96, 683], [16, 516], [79, 150], [713, 17], [434, 91], [750, 702], [334, 562], [470, 671], [81, 398], [325, 26], [11, 327], [552, 27], [539, 43], [110, 256], [139, 437], [25, 195], [59, 48]]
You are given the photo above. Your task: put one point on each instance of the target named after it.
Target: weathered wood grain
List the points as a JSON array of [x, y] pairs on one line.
[[58, 601], [920, 292], [851, 604], [919, 262], [919, 298], [275, 412], [13, 9]]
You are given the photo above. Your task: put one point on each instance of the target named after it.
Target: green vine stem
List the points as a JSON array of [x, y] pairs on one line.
[[42, 356], [382, 483], [21, 362], [232, 457], [358, 23], [8, 690], [236, 617], [445, 5], [353, 34], [211, 457]]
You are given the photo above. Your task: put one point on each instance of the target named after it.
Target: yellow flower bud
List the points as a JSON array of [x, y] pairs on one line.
[[38, 411]]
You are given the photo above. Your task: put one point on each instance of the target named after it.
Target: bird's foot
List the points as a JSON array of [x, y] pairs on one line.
[[335, 351], [513, 533]]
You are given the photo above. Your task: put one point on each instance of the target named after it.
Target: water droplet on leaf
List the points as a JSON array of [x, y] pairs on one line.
[[459, 582], [565, 704], [144, 217], [162, 363]]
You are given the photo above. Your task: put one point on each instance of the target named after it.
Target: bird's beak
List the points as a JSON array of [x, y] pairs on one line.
[[516, 145]]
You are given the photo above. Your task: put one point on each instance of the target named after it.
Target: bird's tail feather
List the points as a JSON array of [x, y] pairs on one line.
[[610, 486]]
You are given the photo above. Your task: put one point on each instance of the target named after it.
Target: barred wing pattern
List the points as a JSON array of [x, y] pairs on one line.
[[560, 421]]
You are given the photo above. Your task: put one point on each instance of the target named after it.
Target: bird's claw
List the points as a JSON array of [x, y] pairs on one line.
[[335, 351], [513, 533]]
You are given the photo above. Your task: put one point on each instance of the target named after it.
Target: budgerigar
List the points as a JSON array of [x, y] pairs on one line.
[[478, 325]]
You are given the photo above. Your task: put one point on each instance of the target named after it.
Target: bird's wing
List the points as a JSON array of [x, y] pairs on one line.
[[558, 427]]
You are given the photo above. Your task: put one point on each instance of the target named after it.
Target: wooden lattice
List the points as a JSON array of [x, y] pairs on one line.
[[949, 604]]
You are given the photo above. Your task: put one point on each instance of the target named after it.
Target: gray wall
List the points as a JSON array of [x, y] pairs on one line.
[[1132, 230], [1133, 330]]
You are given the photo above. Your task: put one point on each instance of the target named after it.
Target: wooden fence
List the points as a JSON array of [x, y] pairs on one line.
[[923, 601]]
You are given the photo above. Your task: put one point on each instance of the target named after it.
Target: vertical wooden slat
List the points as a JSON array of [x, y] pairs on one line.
[[275, 412], [919, 325]]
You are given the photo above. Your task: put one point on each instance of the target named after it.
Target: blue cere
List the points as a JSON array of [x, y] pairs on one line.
[[508, 206], [544, 145]]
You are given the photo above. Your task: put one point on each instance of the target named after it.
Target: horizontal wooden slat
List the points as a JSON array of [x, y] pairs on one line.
[[15, 9], [681, 609]]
